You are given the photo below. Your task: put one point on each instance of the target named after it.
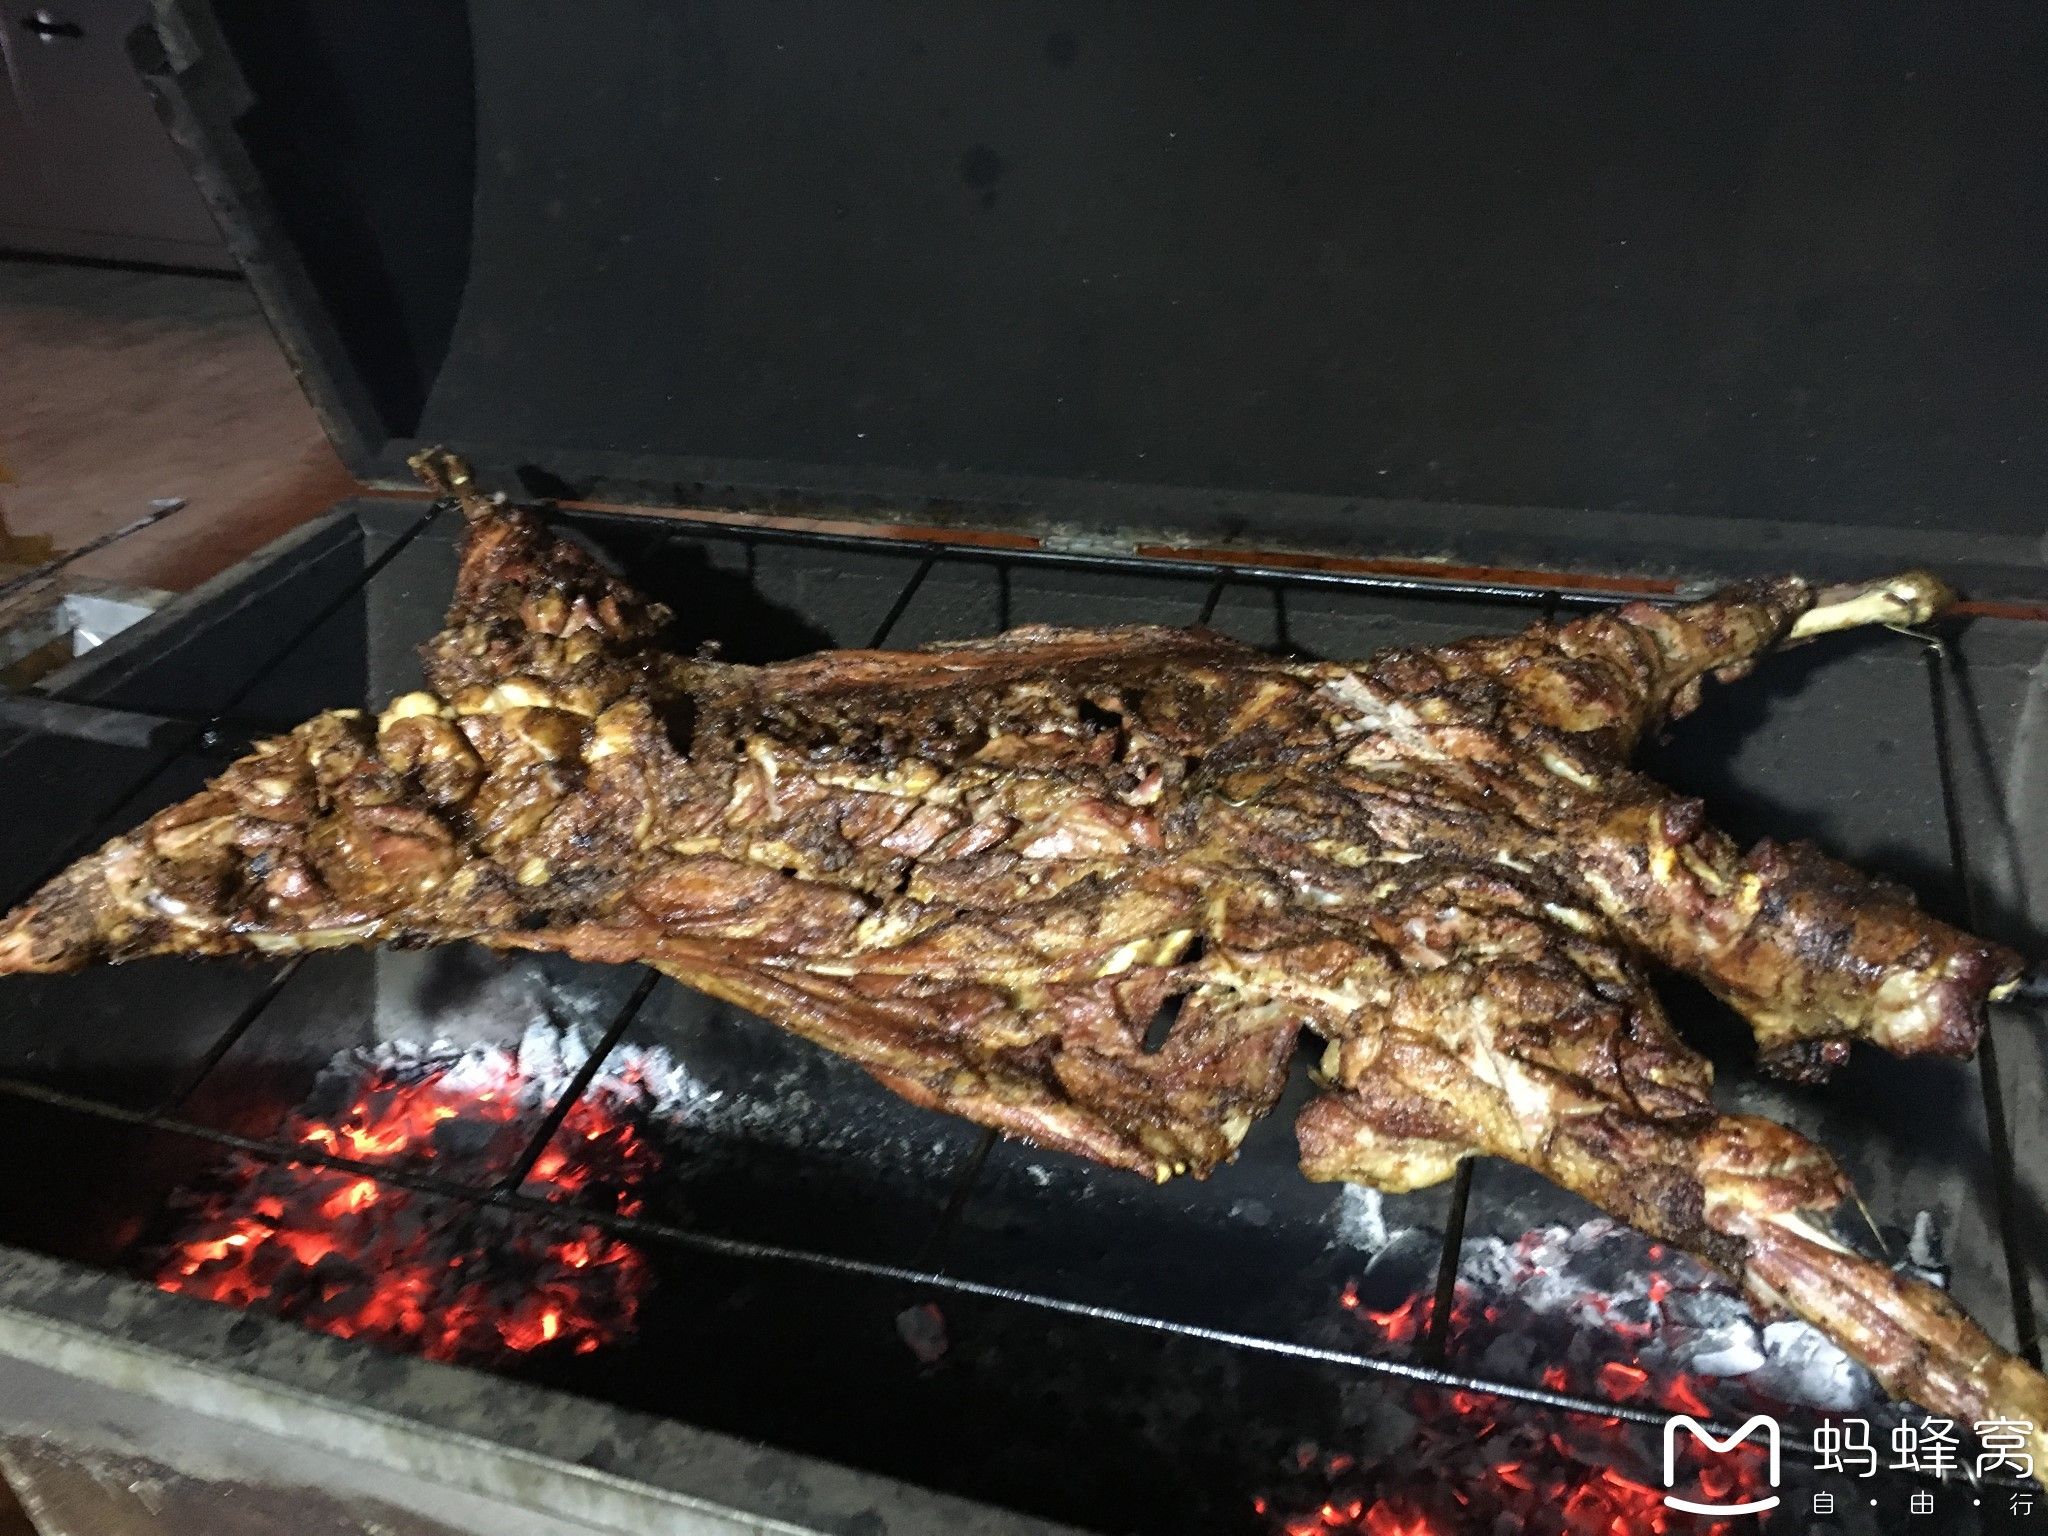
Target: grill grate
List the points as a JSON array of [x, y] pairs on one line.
[[1241, 588]]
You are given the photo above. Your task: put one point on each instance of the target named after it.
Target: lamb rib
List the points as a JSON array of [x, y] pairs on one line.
[[982, 870]]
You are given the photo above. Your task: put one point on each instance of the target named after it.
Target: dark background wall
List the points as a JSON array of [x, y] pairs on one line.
[[1746, 259]]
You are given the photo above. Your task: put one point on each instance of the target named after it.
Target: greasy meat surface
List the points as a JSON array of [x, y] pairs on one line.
[[984, 870]]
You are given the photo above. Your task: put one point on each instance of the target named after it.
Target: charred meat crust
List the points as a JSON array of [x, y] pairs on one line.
[[984, 870], [1045, 821]]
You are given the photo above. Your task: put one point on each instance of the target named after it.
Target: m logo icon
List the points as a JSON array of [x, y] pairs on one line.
[[1718, 1447]]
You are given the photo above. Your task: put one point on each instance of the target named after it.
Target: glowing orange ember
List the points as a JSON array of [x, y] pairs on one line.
[[1475, 1462], [359, 1258], [1622, 1381], [1484, 1464]]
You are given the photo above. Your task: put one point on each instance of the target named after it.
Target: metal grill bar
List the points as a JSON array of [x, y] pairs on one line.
[[1251, 573], [1941, 668], [1436, 1343], [902, 603], [218, 1051], [965, 1183], [56, 563], [96, 831], [558, 1111], [1283, 632]]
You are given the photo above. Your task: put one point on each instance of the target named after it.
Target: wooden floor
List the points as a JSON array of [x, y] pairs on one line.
[[121, 387]]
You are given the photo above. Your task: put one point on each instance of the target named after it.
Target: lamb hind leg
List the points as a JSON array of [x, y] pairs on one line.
[[1614, 675], [1764, 1194], [1755, 1177], [1750, 1198]]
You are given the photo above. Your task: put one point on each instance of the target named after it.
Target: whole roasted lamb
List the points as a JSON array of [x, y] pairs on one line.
[[984, 870]]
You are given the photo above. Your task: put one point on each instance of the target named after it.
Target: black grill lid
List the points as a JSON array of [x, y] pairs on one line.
[[1643, 289]]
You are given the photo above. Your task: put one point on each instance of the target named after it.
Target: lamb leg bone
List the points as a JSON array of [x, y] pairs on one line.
[[1911, 597]]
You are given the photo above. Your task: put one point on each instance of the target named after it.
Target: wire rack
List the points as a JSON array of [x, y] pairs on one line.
[[222, 732]]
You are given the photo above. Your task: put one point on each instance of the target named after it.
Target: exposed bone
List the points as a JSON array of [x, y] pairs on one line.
[[1909, 598]]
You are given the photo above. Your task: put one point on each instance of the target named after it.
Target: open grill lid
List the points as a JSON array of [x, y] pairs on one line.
[[1679, 295]]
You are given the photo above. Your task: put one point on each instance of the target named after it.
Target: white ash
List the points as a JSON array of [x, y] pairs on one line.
[[1735, 1353], [1599, 1274], [1926, 1253], [1360, 1217], [783, 1110], [540, 1066], [1801, 1365], [803, 1107], [471, 998]]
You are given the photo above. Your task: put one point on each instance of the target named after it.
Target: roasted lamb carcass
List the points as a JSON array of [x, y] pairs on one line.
[[983, 870]]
